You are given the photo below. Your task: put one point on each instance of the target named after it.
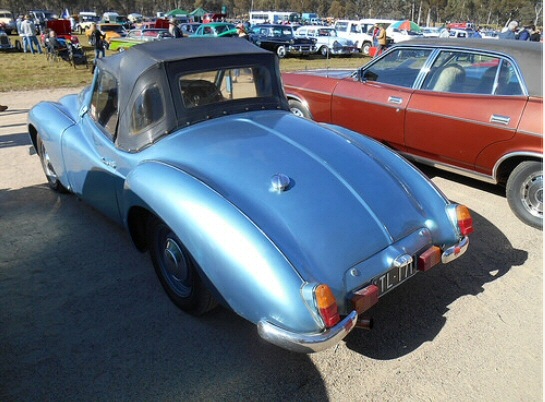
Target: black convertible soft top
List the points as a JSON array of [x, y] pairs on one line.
[[161, 63], [528, 55]]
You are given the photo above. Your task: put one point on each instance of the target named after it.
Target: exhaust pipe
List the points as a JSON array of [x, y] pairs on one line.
[[365, 324]]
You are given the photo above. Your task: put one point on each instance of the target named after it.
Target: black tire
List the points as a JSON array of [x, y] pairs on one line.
[[281, 52], [18, 46], [298, 109], [50, 174], [525, 193], [324, 51], [177, 270]]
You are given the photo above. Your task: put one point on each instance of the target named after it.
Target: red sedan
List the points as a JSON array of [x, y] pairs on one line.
[[470, 106]]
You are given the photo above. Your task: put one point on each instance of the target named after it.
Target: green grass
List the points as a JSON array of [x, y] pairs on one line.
[[25, 71]]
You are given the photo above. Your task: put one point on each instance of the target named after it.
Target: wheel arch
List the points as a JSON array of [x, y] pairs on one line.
[[302, 101], [509, 162]]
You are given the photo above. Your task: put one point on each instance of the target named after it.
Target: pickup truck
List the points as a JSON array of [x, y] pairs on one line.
[[352, 30]]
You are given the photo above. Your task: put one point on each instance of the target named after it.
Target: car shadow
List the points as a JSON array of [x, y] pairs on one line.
[[415, 313], [83, 315]]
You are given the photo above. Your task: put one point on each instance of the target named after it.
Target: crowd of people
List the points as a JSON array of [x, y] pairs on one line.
[[526, 33]]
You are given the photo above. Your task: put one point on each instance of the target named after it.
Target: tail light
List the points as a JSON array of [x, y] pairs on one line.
[[464, 219], [327, 305]]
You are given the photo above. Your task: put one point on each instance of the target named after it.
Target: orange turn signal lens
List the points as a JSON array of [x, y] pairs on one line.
[[465, 221], [327, 305]]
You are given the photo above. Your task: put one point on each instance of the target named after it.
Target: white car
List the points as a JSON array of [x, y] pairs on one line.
[[431, 32], [328, 43]]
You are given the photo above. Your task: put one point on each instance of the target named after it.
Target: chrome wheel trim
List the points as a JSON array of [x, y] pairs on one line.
[[176, 268], [46, 164], [531, 194]]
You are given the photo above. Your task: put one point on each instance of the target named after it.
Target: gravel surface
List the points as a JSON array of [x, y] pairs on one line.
[[83, 317]]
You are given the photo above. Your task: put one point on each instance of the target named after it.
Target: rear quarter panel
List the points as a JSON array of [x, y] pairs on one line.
[[252, 276], [314, 90]]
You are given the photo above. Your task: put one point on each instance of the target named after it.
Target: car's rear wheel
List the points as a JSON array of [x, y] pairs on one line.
[[281, 51], [177, 270], [49, 170], [525, 193], [298, 109]]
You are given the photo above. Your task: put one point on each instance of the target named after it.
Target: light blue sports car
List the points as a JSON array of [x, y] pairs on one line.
[[297, 227]]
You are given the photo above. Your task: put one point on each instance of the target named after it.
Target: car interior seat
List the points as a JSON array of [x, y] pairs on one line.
[[447, 79]]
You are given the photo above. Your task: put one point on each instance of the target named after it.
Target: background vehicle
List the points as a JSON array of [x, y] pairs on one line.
[[7, 22], [215, 30], [137, 36], [86, 19], [473, 107], [352, 30], [7, 45], [238, 201], [282, 40], [327, 41], [274, 17]]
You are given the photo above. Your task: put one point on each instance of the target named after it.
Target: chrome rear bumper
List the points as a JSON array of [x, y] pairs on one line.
[[307, 343]]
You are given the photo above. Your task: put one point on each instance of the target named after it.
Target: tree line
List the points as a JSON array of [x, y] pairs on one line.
[[423, 12]]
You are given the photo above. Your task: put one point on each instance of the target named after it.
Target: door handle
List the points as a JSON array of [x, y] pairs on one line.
[[496, 118], [395, 100]]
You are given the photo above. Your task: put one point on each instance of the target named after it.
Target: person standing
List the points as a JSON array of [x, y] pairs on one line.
[[536, 35], [382, 39], [29, 36], [510, 33], [97, 39], [524, 33], [174, 29]]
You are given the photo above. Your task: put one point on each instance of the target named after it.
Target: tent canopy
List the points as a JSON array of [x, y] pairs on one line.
[[177, 12]]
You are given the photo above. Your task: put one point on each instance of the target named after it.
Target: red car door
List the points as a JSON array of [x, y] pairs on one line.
[[374, 109], [452, 123], [376, 103]]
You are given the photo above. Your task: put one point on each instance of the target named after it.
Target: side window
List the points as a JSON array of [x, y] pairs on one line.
[[104, 104], [400, 67], [469, 73], [147, 110]]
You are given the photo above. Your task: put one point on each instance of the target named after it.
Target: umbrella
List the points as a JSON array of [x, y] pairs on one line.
[[406, 25]]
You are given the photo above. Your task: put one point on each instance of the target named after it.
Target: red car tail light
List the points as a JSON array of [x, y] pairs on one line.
[[465, 221], [429, 258], [327, 305]]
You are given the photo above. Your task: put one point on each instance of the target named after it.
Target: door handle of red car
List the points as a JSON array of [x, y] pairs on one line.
[[495, 118], [395, 100]]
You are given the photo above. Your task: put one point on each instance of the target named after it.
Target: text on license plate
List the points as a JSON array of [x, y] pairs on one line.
[[394, 277]]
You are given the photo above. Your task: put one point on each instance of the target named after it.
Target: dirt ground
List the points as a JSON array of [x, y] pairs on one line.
[[83, 317]]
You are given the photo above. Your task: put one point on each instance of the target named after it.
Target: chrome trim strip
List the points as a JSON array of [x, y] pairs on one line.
[[464, 120], [307, 343], [453, 252], [451, 168]]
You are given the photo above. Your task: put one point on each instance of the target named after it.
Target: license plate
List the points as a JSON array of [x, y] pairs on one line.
[[395, 277]]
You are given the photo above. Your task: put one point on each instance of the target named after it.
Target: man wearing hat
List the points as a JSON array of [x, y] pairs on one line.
[[29, 35]]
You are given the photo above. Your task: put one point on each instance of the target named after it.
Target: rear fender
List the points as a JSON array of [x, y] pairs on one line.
[[252, 276], [50, 120]]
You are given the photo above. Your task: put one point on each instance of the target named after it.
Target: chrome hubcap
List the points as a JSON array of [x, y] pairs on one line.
[[176, 267], [531, 194]]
